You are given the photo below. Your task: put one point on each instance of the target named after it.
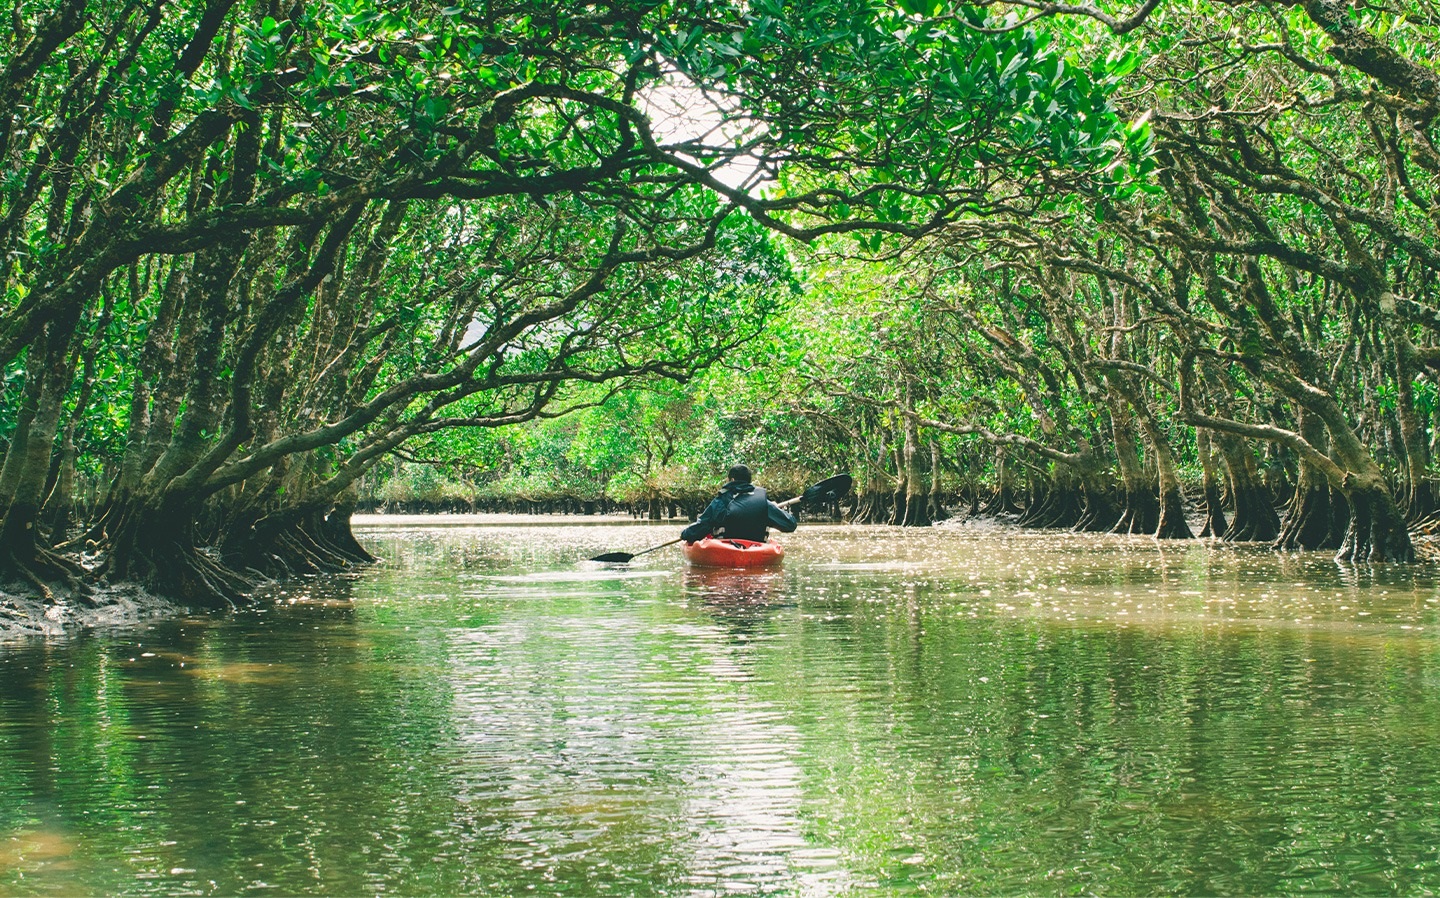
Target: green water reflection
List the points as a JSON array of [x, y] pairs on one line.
[[960, 712]]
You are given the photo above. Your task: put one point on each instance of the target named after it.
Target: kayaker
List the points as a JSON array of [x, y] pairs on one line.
[[740, 511]]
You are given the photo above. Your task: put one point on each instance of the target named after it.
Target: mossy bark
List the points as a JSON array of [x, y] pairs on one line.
[[1377, 530], [1254, 517]]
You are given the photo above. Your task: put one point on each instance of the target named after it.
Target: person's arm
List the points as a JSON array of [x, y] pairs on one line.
[[706, 524], [781, 519]]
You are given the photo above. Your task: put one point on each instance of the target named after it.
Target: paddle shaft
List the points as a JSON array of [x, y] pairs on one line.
[[661, 546]]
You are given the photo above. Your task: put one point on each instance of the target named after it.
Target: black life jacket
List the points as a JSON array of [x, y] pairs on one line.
[[748, 512]]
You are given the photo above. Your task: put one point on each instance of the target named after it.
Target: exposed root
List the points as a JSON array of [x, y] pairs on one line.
[[1057, 508], [31, 579], [1377, 531], [1421, 504], [1098, 515], [1002, 503], [1215, 523], [182, 573], [49, 574], [341, 538], [1172, 524], [1316, 518], [314, 558], [1255, 518], [289, 547]]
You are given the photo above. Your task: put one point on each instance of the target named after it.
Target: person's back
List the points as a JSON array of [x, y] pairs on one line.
[[741, 511]]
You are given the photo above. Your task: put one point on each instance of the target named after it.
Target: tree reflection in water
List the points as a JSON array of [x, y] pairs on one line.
[[740, 599]]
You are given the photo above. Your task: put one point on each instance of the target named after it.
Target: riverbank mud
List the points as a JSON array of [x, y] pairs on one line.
[[24, 615]]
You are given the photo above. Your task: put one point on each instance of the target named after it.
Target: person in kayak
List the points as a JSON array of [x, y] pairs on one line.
[[741, 511]]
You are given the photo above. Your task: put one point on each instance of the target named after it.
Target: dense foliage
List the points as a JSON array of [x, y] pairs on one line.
[[1084, 265], [1243, 328], [252, 251]]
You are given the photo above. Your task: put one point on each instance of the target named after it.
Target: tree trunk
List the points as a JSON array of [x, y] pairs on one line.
[[59, 510], [935, 508], [1215, 524], [1099, 513], [1058, 501], [16, 453], [1142, 503], [1255, 518], [1002, 501], [1171, 523], [1420, 499], [916, 511], [1377, 530], [1317, 516], [151, 539], [23, 551]]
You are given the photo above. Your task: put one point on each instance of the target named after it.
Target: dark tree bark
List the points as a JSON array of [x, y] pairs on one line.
[[25, 552], [935, 507], [915, 511], [1255, 518], [1002, 501], [1141, 512], [152, 540], [1215, 523], [1376, 531], [1421, 500]]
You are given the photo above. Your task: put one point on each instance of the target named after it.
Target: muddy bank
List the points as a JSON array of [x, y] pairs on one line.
[[24, 615]]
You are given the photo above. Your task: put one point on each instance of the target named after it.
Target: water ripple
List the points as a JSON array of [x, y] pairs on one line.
[[946, 711]]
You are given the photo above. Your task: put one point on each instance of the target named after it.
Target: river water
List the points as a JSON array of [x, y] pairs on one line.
[[951, 711]]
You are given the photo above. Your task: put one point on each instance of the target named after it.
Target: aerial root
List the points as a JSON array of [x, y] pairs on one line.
[[32, 579], [43, 570]]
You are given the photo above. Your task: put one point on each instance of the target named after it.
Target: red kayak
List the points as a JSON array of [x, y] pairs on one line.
[[710, 552]]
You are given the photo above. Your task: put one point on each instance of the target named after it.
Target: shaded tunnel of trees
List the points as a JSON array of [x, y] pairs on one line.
[[1093, 268]]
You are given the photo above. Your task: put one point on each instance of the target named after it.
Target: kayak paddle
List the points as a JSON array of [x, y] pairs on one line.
[[827, 490], [622, 557]]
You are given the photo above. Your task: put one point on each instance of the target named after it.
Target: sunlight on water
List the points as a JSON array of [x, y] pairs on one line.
[[947, 711], [576, 576]]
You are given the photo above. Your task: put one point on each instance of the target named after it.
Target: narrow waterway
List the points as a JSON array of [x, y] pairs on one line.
[[950, 711]]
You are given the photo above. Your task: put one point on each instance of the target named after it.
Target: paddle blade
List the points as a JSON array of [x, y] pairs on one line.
[[614, 557], [829, 489]]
